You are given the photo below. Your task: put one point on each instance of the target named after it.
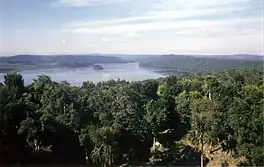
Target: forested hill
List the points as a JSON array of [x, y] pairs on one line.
[[21, 62], [165, 122], [34, 59], [180, 63]]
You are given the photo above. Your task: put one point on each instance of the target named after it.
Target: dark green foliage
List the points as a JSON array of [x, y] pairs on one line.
[[115, 122]]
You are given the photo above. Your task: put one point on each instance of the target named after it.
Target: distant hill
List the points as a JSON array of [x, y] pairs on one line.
[[183, 63], [163, 63], [241, 57], [21, 62], [135, 57], [33, 59]]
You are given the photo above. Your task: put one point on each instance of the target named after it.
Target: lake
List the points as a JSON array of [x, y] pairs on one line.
[[76, 76]]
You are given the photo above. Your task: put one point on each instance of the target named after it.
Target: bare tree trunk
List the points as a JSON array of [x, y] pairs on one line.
[[202, 148], [201, 160]]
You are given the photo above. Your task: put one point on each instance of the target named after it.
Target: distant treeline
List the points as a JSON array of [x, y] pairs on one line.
[[24, 62], [167, 64], [179, 64]]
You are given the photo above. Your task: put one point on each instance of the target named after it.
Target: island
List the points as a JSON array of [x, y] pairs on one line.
[[97, 67]]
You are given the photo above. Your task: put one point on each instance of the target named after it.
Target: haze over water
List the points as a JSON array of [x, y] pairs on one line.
[[76, 76]]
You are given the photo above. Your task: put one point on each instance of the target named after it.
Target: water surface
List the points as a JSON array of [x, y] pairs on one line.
[[76, 76]]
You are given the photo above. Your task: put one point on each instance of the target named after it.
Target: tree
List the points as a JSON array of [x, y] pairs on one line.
[[117, 122]]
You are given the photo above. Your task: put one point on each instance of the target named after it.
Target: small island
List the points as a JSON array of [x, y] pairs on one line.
[[97, 67]]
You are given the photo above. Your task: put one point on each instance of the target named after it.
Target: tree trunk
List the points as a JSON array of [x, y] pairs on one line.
[[202, 148], [201, 160]]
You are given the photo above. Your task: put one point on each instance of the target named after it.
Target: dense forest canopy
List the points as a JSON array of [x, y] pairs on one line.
[[170, 121]]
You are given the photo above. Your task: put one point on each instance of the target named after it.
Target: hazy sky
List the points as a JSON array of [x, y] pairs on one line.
[[131, 26]]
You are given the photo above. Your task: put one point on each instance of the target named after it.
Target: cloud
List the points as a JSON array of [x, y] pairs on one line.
[[131, 35], [74, 3], [106, 39], [213, 26], [24, 30], [84, 3], [63, 41], [176, 15], [152, 16], [183, 26], [127, 29]]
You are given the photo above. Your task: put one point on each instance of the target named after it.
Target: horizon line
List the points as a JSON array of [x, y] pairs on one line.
[[94, 54]]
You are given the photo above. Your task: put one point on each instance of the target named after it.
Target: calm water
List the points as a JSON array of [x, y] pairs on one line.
[[76, 76]]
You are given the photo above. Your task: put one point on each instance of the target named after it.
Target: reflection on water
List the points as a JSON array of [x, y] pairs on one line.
[[76, 76]]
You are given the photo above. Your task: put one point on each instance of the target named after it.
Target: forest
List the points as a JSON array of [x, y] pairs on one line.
[[178, 64], [171, 121], [19, 63]]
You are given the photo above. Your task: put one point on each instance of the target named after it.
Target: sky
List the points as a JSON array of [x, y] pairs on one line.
[[131, 26]]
